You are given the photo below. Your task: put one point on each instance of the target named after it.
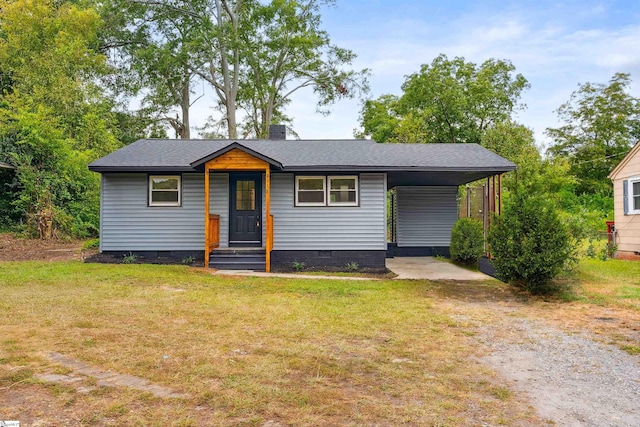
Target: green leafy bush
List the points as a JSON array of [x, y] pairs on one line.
[[530, 243], [352, 266], [467, 241], [129, 258]]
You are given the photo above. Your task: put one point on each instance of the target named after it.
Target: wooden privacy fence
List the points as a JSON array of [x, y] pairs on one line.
[[481, 202]]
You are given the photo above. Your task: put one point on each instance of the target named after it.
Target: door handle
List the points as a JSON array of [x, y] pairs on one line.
[[258, 224]]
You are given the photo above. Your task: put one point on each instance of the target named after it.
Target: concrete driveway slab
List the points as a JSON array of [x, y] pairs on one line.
[[431, 269]]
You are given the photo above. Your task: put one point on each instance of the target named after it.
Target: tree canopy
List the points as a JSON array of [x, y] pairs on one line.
[[449, 100], [254, 55], [54, 116], [601, 122]]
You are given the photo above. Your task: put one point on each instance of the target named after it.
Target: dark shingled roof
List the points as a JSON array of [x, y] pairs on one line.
[[150, 155]]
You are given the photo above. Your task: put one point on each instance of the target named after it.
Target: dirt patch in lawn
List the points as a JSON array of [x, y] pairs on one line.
[[17, 249], [105, 378]]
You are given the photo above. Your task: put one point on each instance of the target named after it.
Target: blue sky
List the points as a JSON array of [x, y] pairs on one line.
[[555, 45]]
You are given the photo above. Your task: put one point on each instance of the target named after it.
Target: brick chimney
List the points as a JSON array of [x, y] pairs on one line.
[[277, 132]]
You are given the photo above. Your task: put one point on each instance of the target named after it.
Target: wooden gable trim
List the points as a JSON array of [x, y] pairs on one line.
[[634, 150], [237, 160], [235, 147]]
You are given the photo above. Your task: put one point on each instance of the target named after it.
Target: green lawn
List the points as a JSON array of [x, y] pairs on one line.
[[246, 350], [611, 282]]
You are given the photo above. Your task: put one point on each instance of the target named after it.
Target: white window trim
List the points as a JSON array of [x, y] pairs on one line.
[[324, 181], [165, 204], [630, 198], [355, 178]]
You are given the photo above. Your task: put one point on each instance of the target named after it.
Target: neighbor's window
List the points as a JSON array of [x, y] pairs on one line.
[[310, 191], [634, 196], [343, 191], [164, 191]]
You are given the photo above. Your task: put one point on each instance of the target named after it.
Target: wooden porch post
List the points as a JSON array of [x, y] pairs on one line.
[[206, 216], [268, 219]]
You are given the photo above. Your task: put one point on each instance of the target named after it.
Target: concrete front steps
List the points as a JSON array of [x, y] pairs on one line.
[[238, 259]]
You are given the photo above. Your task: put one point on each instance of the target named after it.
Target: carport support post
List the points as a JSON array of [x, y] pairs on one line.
[[500, 194]]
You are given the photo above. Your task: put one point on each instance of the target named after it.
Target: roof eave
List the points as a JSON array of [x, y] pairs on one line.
[[496, 169], [102, 169]]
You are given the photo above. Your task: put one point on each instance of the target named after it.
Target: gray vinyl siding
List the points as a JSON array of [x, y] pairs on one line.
[[329, 228], [426, 215], [129, 224], [219, 203]]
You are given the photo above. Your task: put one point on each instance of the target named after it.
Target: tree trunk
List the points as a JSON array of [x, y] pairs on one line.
[[231, 118], [229, 81], [185, 131]]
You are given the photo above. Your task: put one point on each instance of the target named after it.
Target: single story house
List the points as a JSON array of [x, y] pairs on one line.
[[626, 204], [263, 204]]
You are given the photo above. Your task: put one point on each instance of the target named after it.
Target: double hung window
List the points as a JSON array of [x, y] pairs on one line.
[[330, 190]]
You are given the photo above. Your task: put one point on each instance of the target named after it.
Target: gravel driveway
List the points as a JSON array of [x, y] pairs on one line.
[[561, 368], [570, 379]]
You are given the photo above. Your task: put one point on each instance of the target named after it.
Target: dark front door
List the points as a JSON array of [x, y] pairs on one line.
[[245, 224]]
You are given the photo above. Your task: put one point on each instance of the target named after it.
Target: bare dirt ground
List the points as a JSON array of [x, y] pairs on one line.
[[16, 249], [566, 359]]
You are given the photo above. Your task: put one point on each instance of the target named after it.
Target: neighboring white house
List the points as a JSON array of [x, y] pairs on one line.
[[626, 204]]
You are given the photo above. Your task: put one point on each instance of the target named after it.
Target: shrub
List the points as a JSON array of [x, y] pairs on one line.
[[298, 266], [129, 258], [530, 243], [467, 241], [352, 266]]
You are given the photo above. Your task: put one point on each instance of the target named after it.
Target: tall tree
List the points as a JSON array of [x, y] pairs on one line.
[[446, 101], [217, 56], [151, 42], [284, 51], [256, 55], [535, 174], [601, 124]]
